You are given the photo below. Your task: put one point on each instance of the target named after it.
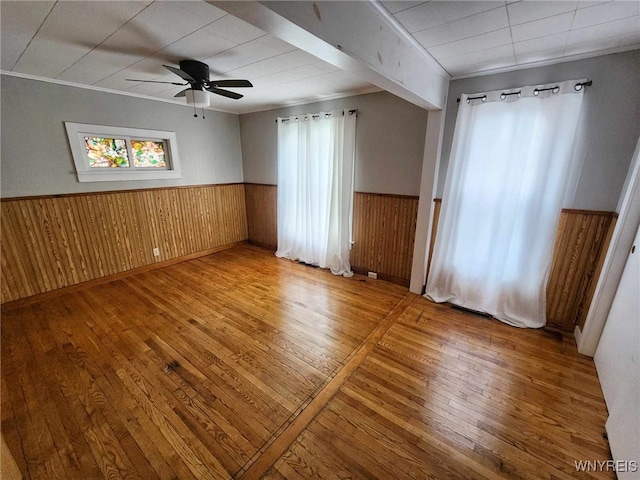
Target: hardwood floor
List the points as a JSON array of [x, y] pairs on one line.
[[446, 394], [227, 365]]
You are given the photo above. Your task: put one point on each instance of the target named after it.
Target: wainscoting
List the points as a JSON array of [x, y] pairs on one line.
[[384, 228], [581, 244], [582, 240], [53, 242], [262, 209]]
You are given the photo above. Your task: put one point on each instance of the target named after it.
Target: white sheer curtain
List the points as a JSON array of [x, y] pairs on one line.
[[316, 154], [509, 171]]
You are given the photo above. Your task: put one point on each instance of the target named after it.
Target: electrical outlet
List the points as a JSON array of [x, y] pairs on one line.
[[373, 275], [156, 252]]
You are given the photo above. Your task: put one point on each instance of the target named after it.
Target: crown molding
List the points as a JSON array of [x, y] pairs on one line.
[[104, 90], [544, 63]]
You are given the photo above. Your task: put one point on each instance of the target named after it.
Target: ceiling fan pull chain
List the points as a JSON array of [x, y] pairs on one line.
[[203, 113], [195, 113]]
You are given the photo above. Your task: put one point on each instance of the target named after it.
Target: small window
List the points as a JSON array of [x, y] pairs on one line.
[[103, 153]]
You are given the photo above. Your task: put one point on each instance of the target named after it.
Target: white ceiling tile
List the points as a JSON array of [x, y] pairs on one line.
[[541, 28], [157, 26], [617, 28], [480, 23], [504, 52], [558, 40], [56, 46], [591, 3], [399, 5], [19, 22], [116, 81], [454, 10], [274, 79], [82, 15], [629, 40], [48, 58], [203, 9], [242, 55], [421, 17], [472, 44], [605, 12], [325, 67], [151, 68], [279, 63], [491, 65], [109, 59], [277, 44], [491, 58], [234, 29], [434, 36], [541, 48], [528, 11], [587, 46], [459, 70], [533, 57], [455, 63], [199, 45], [152, 88], [470, 26], [306, 71], [172, 20]]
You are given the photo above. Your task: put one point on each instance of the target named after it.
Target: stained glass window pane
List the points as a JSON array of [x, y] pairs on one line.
[[106, 152], [148, 153]]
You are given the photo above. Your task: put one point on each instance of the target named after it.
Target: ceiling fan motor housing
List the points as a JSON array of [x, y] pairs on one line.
[[198, 70]]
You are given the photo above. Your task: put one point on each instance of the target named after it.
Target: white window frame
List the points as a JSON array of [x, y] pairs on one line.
[[77, 131]]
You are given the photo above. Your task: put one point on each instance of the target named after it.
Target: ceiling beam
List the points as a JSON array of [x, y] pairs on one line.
[[358, 37]]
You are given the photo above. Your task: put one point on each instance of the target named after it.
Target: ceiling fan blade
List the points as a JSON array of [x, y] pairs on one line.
[[231, 83], [155, 81], [225, 93], [180, 73], [182, 93]]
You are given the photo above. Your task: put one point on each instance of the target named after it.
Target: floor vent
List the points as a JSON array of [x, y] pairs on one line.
[[471, 311]]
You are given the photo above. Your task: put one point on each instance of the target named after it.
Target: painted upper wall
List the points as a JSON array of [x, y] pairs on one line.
[[610, 119], [390, 136], [36, 159]]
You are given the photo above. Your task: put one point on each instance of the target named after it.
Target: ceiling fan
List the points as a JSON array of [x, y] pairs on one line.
[[197, 76]]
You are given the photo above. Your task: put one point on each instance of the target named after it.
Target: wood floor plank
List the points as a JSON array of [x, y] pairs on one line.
[[453, 390], [85, 391], [242, 365]]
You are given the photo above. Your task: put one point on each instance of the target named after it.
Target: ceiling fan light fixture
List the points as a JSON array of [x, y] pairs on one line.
[[198, 98]]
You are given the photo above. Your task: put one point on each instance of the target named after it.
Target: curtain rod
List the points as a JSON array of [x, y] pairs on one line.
[[577, 87], [326, 115]]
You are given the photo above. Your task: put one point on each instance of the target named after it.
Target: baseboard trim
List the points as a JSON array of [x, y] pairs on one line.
[[23, 302], [383, 276], [263, 245]]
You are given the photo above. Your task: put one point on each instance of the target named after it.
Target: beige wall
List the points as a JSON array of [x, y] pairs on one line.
[[611, 120], [389, 142], [36, 159]]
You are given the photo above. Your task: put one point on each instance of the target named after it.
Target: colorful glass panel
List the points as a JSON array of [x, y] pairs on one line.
[[106, 152], [148, 154]]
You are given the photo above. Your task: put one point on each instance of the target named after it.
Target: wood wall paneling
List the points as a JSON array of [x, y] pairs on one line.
[[437, 203], [384, 228], [582, 241], [54, 242], [262, 209], [581, 244]]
